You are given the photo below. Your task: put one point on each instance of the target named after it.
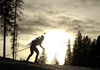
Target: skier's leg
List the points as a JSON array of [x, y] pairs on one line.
[[31, 53], [37, 54]]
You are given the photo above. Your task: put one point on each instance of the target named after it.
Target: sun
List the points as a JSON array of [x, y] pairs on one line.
[[54, 43]]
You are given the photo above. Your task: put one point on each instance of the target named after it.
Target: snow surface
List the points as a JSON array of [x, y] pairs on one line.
[[10, 64]]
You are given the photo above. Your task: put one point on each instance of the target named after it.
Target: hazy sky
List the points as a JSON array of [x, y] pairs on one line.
[[40, 16], [67, 15]]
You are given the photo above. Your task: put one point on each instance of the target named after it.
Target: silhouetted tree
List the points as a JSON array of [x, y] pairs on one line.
[[86, 44], [14, 34], [8, 17], [43, 57], [6, 7], [68, 54], [92, 54], [55, 61], [77, 50], [97, 52]]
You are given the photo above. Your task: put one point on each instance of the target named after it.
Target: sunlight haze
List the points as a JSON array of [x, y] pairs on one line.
[[60, 20]]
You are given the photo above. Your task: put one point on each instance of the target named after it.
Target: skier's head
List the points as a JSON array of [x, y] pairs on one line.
[[42, 38]]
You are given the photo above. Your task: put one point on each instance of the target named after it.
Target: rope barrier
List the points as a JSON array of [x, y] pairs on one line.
[[18, 51]]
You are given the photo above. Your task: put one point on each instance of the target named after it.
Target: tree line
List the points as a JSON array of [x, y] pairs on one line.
[[85, 52]]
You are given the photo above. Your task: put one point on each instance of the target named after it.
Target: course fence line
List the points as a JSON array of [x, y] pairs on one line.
[[18, 51]]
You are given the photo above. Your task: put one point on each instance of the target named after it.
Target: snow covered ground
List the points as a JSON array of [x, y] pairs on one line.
[[6, 64]]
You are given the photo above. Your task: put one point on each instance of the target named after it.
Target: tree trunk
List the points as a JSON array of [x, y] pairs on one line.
[[4, 41]]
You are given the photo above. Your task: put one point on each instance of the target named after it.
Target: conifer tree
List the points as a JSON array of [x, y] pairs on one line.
[[43, 58], [8, 17], [97, 52], [77, 49], [14, 34], [55, 60], [68, 54], [93, 54], [86, 44]]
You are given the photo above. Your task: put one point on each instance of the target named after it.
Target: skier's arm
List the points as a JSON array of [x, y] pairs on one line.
[[30, 43], [41, 46]]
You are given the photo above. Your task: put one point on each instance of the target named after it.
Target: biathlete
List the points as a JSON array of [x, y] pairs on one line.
[[33, 44]]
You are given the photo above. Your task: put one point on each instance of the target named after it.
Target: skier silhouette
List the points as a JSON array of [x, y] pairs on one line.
[[34, 43]]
